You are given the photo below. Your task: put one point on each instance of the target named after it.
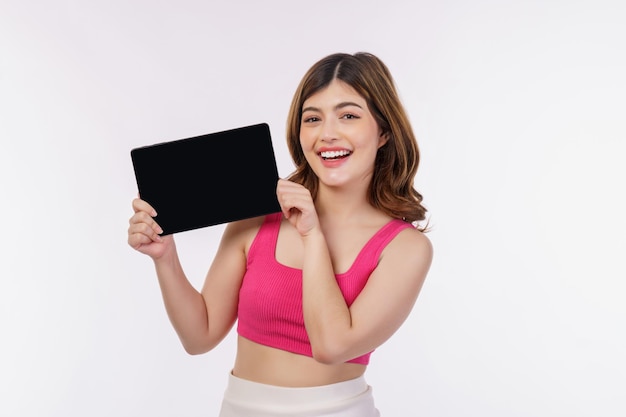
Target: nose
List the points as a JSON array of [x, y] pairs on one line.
[[329, 131]]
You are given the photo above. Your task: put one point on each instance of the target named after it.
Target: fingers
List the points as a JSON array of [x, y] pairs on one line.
[[143, 229], [142, 205], [141, 234], [297, 206], [293, 196]]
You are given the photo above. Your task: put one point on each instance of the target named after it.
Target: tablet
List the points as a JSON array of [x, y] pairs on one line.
[[210, 179]]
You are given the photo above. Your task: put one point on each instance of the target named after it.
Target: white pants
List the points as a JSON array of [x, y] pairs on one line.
[[244, 398]]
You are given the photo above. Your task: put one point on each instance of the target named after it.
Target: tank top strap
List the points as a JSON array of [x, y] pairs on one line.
[[264, 243], [370, 254]]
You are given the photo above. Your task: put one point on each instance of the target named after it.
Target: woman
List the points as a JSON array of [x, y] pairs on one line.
[[316, 288]]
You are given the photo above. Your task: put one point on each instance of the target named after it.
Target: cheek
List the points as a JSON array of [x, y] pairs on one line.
[[307, 149], [369, 144], [306, 143]]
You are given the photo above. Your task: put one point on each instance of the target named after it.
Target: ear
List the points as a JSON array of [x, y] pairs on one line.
[[383, 138]]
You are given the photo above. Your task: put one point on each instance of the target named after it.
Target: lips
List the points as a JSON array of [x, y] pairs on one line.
[[335, 154]]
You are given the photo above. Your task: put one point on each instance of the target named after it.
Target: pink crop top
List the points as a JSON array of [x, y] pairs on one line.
[[270, 298]]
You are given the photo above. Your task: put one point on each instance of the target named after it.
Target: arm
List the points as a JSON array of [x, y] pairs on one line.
[[339, 333], [201, 319]]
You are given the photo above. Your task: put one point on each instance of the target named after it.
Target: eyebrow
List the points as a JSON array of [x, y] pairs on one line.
[[337, 107]]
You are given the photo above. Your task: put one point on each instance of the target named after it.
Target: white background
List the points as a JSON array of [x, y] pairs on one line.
[[519, 108]]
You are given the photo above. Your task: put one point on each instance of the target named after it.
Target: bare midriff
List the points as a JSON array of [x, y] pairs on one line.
[[267, 365]]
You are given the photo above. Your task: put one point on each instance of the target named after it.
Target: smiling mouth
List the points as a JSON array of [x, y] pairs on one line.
[[334, 155]]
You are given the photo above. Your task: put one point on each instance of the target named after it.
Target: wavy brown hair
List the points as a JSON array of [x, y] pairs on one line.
[[391, 189]]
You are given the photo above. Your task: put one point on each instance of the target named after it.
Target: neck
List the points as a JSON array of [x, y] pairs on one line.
[[342, 204]]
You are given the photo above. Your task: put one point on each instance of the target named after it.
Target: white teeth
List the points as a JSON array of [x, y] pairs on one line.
[[334, 154]]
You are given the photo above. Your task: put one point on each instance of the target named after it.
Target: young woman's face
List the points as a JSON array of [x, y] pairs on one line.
[[339, 136]]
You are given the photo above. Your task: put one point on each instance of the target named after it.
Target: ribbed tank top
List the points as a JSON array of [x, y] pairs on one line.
[[270, 298]]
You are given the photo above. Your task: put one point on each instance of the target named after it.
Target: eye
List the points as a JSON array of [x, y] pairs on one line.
[[310, 119], [349, 116]]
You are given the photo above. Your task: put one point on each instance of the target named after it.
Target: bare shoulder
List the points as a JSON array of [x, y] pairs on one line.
[[242, 232], [413, 240], [412, 248], [245, 225]]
